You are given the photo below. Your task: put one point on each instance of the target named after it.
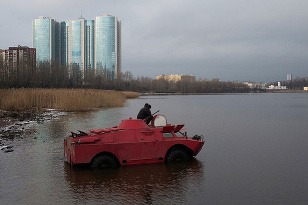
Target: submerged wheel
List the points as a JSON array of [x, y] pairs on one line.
[[177, 155], [104, 162]]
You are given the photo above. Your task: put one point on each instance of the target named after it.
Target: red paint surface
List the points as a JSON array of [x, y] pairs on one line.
[[131, 142]]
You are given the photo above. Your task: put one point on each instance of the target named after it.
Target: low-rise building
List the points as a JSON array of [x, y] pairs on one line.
[[254, 85], [176, 78], [17, 62], [278, 87]]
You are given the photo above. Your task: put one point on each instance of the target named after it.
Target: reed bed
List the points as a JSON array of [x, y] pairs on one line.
[[130, 94], [60, 99]]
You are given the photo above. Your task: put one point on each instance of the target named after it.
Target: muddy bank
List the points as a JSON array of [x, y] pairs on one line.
[[18, 124]]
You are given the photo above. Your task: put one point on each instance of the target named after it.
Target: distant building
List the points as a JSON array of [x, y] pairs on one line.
[[107, 46], [256, 85], [305, 88], [46, 39], [2, 55], [278, 87], [176, 78], [289, 77], [80, 44], [17, 62], [85, 44]]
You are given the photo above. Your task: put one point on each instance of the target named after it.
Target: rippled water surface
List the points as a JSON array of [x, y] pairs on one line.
[[256, 152]]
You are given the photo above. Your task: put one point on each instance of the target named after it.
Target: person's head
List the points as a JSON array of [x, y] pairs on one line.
[[147, 105]]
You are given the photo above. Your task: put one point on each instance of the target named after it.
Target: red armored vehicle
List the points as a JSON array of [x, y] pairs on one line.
[[131, 142]]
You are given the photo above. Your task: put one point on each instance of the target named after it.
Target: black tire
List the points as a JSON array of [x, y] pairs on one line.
[[104, 162], [177, 155]]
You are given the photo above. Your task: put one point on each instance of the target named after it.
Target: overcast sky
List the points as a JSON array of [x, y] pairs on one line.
[[233, 40]]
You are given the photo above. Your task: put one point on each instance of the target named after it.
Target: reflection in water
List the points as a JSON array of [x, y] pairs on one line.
[[150, 184]]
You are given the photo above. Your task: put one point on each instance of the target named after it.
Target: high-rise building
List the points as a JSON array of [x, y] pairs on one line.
[[107, 49], [44, 38], [80, 44], [289, 77], [89, 45]]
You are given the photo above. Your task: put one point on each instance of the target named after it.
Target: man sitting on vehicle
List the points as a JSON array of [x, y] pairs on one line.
[[145, 113]]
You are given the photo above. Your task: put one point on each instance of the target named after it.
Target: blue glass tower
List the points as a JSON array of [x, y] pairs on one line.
[[80, 45], [44, 39], [106, 46], [87, 45]]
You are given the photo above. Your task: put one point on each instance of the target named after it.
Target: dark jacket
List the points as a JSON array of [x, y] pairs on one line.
[[145, 113]]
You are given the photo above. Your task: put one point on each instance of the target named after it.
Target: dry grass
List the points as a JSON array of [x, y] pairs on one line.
[[60, 99], [130, 94]]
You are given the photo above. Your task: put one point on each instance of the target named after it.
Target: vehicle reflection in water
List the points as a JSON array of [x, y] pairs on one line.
[[140, 184]]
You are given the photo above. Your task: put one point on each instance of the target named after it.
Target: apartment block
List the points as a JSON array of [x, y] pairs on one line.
[[17, 62], [176, 77]]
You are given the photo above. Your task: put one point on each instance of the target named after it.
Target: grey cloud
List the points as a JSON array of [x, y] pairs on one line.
[[260, 40]]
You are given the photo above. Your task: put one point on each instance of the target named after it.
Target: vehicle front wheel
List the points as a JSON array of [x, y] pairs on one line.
[[177, 155], [104, 162]]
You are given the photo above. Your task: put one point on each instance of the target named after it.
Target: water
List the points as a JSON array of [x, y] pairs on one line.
[[256, 152]]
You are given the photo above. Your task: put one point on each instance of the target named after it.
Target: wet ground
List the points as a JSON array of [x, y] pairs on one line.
[[15, 124]]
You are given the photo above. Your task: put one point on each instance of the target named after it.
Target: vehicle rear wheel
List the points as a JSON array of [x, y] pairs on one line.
[[104, 162], [177, 155]]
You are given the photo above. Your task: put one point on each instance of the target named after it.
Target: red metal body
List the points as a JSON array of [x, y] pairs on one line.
[[131, 142]]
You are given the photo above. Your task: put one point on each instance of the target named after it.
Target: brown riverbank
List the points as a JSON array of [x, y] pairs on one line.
[[19, 107], [36, 100]]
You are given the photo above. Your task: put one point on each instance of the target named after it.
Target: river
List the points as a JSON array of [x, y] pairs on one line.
[[255, 152]]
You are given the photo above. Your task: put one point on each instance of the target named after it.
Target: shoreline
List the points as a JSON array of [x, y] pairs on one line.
[[266, 91], [20, 108], [14, 124]]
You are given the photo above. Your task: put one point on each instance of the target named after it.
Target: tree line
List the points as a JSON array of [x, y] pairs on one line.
[[54, 75]]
